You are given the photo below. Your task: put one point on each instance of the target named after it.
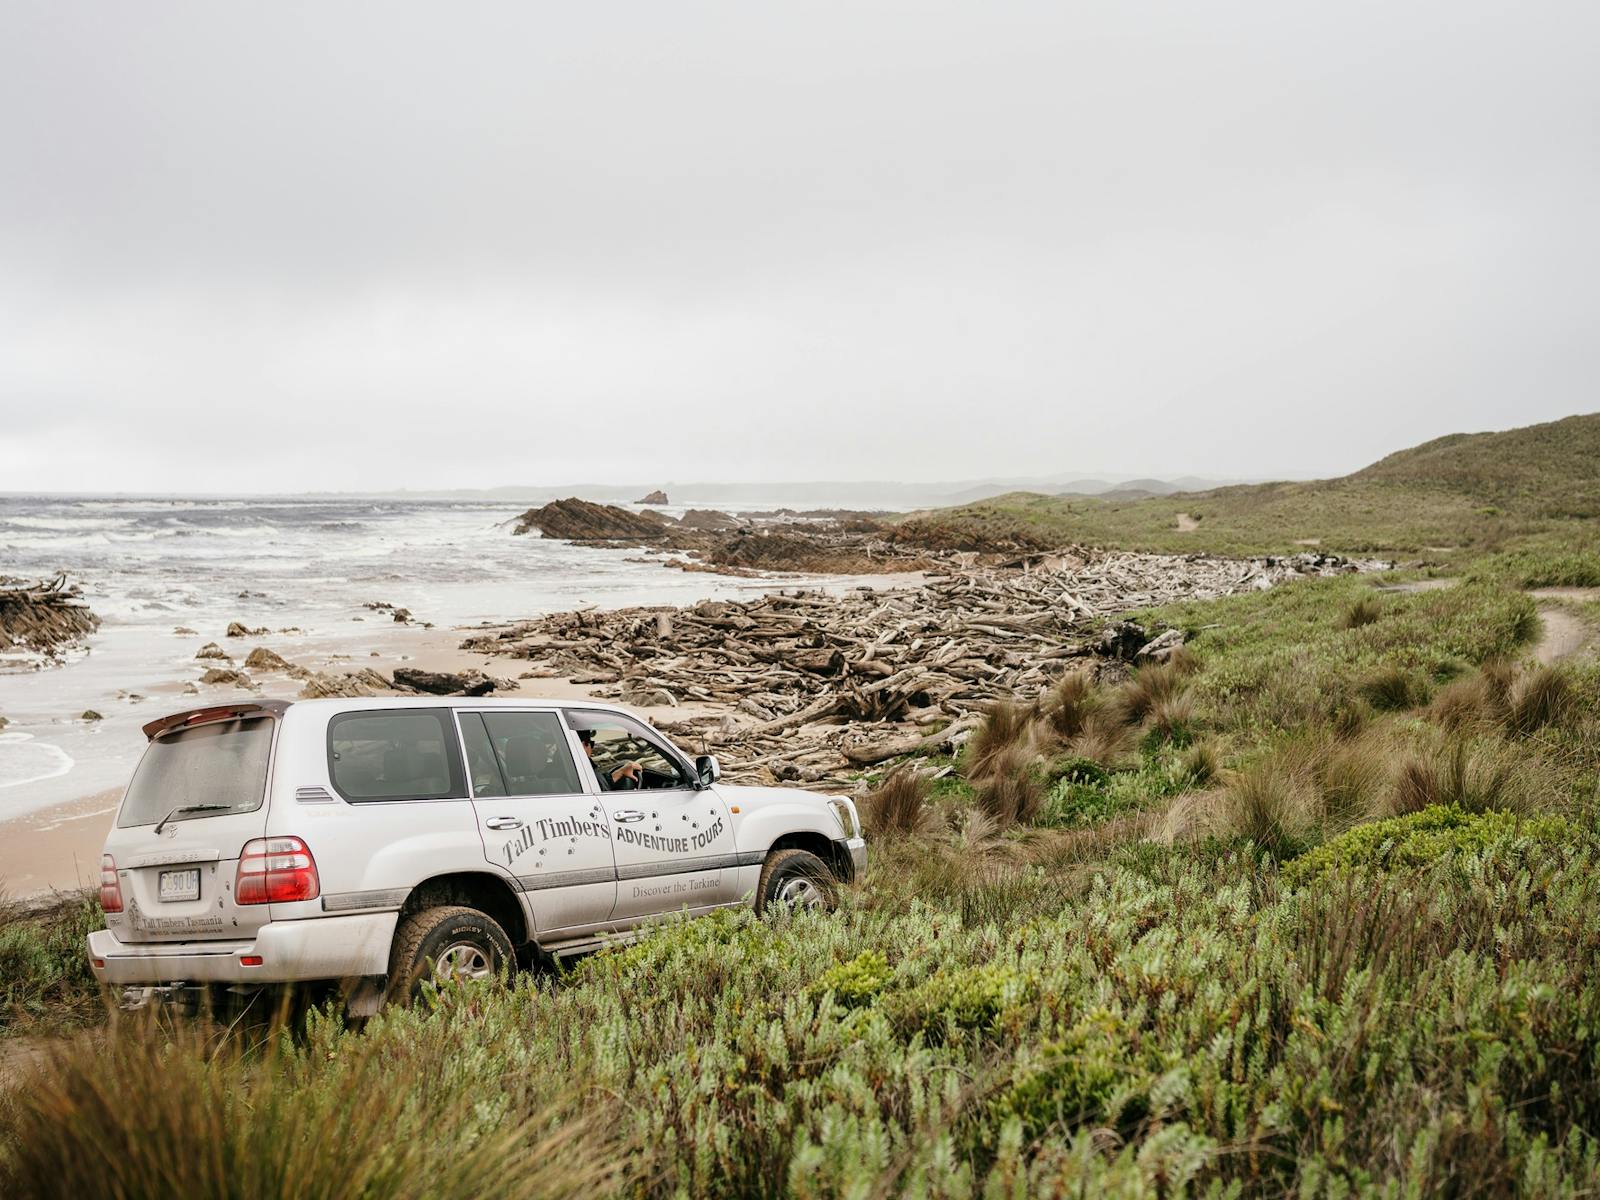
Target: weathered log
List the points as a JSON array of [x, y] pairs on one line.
[[863, 750]]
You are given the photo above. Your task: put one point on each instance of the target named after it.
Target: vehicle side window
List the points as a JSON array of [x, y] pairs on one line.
[[532, 753], [483, 769], [395, 754], [617, 741]]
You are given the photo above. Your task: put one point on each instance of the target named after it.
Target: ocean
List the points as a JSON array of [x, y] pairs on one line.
[[149, 566]]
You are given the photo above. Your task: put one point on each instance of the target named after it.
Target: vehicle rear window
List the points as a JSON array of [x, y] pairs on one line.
[[212, 769], [395, 754]]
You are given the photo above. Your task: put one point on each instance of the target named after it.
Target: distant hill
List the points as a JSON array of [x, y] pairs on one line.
[[858, 494], [1463, 491], [1552, 469]]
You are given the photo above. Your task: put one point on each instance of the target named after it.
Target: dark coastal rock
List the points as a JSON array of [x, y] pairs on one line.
[[655, 497], [237, 629], [184, 631], [89, 714], [327, 684], [212, 650], [262, 659], [1123, 641], [708, 518], [225, 677], [444, 683], [582, 521]]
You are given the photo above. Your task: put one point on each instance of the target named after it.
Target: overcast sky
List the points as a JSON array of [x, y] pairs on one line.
[[288, 246]]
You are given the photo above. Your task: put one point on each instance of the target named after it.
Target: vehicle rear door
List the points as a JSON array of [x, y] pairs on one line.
[[538, 819], [673, 841], [197, 796]]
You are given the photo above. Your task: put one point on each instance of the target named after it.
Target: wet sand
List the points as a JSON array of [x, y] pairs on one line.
[[58, 848]]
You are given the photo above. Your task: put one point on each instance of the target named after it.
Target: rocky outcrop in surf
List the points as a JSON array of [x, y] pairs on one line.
[[576, 520], [711, 540], [41, 621]]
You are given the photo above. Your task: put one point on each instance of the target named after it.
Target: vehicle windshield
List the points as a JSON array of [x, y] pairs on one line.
[[221, 766]]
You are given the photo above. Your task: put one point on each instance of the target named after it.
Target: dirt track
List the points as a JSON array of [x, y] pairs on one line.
[[1565, 633]]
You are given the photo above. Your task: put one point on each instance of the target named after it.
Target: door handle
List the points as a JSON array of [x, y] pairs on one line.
[[504, 822], [627, 816]]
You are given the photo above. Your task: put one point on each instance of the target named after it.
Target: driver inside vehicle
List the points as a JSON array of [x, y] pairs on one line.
[[624, 777]]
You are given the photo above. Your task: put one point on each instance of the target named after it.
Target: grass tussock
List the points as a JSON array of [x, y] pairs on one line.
[[1471, 776], [1106, 738], [1149, 688], [1009, 729], [1363, 612], [1466, 703], [1500, 696], [1393, 689], [148, 1111], [898, 806], [1542, 697], [1069, 704], [1350, 720], [1201, 763], [1273, 805], [1012, 791], [1172, 718]]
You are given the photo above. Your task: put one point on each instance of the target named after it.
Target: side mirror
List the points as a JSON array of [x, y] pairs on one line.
[[707, 769]]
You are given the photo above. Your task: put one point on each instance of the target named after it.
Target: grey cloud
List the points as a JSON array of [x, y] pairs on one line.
[[524, 243]]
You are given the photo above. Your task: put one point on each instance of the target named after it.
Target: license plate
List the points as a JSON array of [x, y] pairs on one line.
[[179, 885]]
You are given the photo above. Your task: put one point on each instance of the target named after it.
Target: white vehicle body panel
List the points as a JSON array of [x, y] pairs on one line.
[[586, 863]]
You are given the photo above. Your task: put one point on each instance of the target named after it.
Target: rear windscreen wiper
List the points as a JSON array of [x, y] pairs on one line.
[[191, 808]]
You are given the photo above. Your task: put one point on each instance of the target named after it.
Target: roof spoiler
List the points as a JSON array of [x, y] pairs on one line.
[[219, 712]]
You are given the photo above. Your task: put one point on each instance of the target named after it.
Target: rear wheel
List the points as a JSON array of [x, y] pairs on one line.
[[445, 944], [797, 878]]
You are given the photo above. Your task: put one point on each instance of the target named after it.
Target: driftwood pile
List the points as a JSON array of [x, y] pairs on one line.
[[811, 686], [42, 619]]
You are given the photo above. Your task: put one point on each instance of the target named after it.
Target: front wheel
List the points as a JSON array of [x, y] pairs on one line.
[[444, 944], [797, 878]]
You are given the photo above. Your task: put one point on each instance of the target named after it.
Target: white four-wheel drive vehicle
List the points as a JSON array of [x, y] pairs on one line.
[[374, 841]]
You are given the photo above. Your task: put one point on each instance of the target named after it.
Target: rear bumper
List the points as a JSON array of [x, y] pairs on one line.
[[290, 951], [855, 849]]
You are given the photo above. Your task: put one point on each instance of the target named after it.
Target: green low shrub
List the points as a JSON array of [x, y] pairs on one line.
[[44, 963], [965, 998], [857, 981], [1424, 838]]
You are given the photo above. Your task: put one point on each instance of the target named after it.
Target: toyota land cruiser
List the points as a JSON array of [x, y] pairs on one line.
[[375, 842]]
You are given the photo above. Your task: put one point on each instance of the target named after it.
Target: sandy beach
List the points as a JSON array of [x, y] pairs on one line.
[[58, 848]]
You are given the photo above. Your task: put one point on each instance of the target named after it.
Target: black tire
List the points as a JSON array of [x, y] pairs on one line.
[[471, 939], [797, 877]]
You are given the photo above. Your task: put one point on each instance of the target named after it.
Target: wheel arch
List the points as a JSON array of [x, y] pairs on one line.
[[829, 851], [489, 894]]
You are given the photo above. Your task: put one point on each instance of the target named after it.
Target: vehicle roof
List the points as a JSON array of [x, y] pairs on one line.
[[348, 702], [358, 703]]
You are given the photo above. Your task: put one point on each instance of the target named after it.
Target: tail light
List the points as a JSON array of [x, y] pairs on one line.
[[277, 870], [110, 885]]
